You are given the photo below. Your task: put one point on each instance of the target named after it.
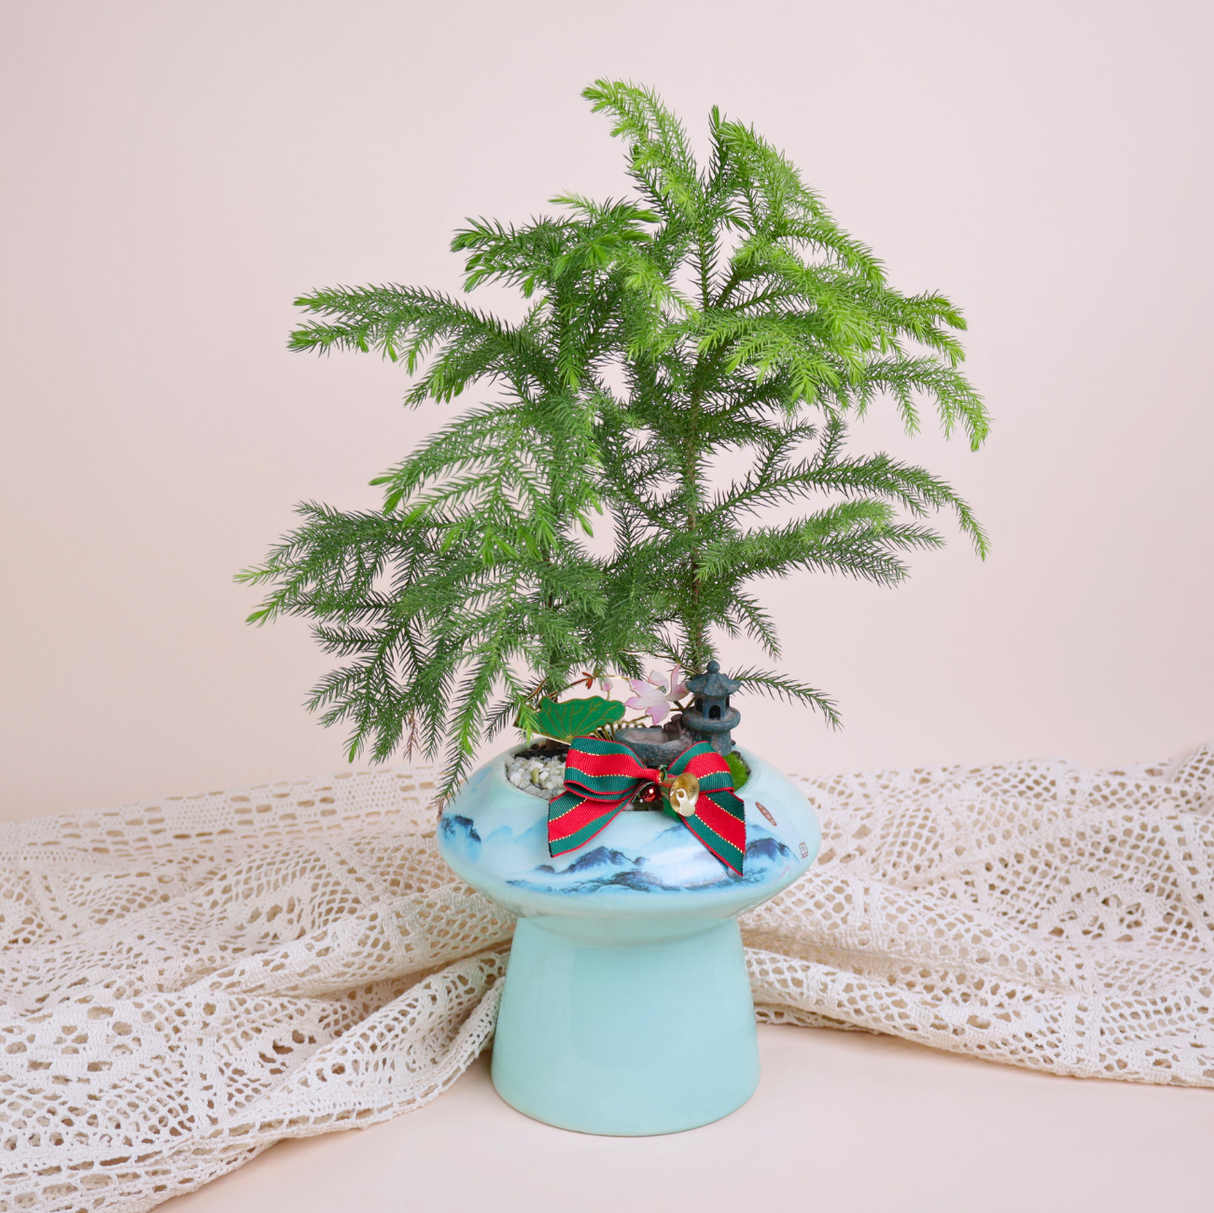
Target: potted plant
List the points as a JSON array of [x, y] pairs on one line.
[[573, 530]]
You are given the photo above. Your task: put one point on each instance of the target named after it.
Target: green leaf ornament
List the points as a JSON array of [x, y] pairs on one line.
[[576, 717]]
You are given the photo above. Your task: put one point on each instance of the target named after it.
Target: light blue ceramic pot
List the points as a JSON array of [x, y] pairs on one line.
[[626, 1008]]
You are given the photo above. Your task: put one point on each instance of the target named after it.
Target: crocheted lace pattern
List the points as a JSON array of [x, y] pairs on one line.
[[189, 980]]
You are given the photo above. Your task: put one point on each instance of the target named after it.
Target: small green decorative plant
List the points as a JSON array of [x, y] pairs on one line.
[[719, 311]]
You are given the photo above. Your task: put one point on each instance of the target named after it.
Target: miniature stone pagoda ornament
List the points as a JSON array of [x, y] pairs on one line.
[[711, 717], [721, 310]]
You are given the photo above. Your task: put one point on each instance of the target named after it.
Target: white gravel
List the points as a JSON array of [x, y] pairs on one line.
[[542, 777]]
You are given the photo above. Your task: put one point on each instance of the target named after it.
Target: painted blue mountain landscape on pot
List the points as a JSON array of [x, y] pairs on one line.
[[672, 861]]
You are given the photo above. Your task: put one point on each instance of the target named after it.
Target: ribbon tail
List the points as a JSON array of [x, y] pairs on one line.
[[721, 830], [719, 821], [574, 820]]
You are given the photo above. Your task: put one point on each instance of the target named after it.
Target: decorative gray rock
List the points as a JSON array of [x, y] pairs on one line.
[[654, 747]]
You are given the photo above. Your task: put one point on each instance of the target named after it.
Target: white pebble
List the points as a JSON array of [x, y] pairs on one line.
[[536, 774]]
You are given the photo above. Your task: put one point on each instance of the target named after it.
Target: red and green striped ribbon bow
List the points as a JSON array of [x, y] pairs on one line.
[[601, 777]]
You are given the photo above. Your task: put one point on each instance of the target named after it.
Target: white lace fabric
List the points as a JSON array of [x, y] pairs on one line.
[[187, 981]]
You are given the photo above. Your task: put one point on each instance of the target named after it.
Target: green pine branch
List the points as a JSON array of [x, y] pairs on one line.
[[721, 308]]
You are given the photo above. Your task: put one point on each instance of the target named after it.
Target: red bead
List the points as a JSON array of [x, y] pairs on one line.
[[649, 794]]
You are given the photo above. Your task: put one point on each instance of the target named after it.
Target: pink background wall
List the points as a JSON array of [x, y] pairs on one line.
[[174, 174]]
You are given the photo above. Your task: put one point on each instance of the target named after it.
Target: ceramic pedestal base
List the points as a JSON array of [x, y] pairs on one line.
[[616, 1027]]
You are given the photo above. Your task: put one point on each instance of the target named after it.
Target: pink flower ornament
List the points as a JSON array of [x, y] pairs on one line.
[[652, 696]]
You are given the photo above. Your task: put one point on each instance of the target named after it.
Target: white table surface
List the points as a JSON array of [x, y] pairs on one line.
[[844, 1122]]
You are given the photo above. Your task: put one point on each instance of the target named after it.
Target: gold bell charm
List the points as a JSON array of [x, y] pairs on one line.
[[684, 794]]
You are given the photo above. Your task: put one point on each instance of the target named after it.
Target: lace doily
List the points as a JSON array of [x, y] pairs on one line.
[[189, 980]]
